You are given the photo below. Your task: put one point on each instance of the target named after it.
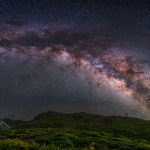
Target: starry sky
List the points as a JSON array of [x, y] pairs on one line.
[[74, 56]]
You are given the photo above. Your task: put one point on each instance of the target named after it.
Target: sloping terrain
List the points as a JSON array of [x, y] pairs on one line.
[[53, 130]]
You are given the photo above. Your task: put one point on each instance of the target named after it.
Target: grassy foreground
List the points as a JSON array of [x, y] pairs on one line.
[[80, 131]]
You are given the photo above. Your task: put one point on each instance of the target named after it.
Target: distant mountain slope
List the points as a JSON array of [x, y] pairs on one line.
[[112, 124]]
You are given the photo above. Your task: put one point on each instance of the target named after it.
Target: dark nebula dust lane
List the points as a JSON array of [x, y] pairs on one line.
[[74, 56]]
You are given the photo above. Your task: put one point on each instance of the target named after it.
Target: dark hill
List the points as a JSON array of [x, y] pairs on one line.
[[113, 124], [54, 130]]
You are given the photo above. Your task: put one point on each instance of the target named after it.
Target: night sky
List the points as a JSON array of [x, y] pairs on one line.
[[74, 56]]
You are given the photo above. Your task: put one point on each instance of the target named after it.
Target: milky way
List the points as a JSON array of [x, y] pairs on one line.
[[67, 56], [102, 66]]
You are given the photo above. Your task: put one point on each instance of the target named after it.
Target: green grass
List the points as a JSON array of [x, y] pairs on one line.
[[16, 144], [56, 131]]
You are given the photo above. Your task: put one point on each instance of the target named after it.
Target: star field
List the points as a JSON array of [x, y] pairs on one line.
[[74, 56]]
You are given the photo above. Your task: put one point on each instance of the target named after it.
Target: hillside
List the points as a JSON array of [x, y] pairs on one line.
[[78, 131]]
